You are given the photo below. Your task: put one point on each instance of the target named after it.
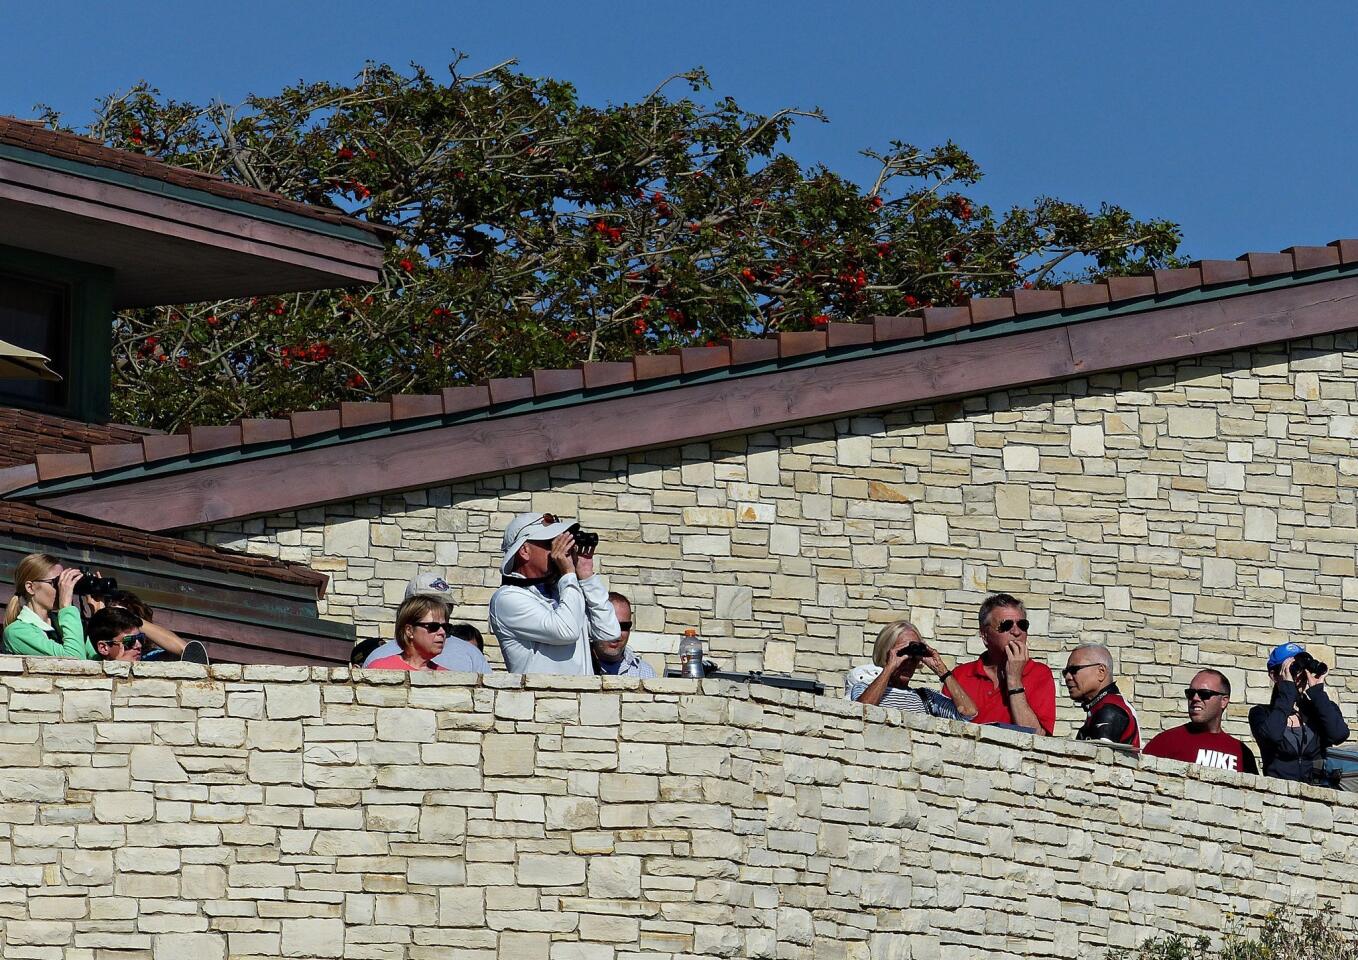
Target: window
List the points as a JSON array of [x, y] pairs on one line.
[[36, 316]]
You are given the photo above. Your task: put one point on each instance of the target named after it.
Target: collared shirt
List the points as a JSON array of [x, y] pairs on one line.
[[631, 665], [31, 636], [992, 703], [398, 663]]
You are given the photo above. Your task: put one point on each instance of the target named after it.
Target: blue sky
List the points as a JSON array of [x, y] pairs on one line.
[[1235, 119]]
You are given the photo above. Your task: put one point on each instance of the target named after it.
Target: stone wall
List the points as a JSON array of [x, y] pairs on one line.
[[284, 812], [1188, 514]]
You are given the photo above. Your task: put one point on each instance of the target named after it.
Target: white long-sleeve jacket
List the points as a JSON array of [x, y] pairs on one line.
[[542, 632]]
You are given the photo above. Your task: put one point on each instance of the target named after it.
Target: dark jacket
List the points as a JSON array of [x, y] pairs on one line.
[[1110, 717], [1297, 758]]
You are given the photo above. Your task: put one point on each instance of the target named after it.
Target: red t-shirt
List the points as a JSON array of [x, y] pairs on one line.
[[1219, 750], [992, 704], [394, 662]]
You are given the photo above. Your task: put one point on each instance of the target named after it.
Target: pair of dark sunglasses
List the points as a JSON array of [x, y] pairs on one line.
[[433, 626], [1202, 694], [1007, 625], [131, 640], [1071, 671], [625, 624]]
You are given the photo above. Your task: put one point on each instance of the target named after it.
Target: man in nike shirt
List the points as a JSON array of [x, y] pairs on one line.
[[1201, 740]]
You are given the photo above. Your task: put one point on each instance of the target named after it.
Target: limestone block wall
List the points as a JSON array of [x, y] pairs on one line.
[[1187, 514], [266, 812]]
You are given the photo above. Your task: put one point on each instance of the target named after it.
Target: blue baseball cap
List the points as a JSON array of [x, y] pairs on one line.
[[1282, 652]]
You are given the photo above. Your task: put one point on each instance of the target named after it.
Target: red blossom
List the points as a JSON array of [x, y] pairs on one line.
[[820, 320], [407, 264], [344, 153]]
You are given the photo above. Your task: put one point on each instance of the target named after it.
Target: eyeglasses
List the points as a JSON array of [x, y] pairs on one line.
[[131, 640], [1072, 671], [1007, 625], [433, 626], [625, 624], [1202, 694]]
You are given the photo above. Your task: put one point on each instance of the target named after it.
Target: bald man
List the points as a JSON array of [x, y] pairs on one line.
[[1089, 680]]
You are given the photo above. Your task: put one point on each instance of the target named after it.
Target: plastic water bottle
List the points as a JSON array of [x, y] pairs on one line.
[[691, 654]]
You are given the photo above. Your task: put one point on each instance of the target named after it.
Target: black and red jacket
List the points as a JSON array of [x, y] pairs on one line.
[[1110, 717]]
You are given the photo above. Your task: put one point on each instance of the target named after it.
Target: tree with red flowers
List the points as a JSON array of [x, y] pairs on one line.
[[533, 230]]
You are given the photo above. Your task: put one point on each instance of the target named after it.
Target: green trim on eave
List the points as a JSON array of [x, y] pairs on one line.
[[175, 191], [1038, 321]]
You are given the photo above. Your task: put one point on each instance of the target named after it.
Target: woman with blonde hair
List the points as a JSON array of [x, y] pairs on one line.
[[43, 619], [421, 631], [899, 651]]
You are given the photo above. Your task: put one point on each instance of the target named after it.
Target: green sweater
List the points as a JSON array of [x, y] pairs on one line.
[[28, 636]]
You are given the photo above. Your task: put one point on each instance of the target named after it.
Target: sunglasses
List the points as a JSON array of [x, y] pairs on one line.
[[131, 640], [1071, 671], [433, 626], [1007, 625], [1202, 694], [625, 624]]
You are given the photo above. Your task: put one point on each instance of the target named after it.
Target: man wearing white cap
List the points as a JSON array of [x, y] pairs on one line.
[[550, 605], [459, 656]]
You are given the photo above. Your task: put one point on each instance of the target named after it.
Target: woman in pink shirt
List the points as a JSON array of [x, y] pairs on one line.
[[421, 631]]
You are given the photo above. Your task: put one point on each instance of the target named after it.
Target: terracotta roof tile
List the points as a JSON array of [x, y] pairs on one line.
[[649, 366], [1223, 271], [69, 146], [265, 431], [1130, 288], [548, 382], [26, 433], [509, 389], [697, 359], [361, 414], [1268, 264], [608, 374], [1037, 301], [306, 423], [988, 309], [939, 319], [409, 406], [886, 329], [31, 522], [1314, 258], [796, 343], [1171, 281], [165, 446], [1076, 295], [847, 334], [202, 439], [459, 399], [1348, 250], [752, 351]]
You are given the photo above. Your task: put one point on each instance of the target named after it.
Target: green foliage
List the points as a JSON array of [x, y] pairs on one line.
[[537, 231], [1298, 935]]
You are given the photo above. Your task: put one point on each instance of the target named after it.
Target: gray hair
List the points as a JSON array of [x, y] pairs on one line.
[[994, 602], [1098, 653], [888, 637]]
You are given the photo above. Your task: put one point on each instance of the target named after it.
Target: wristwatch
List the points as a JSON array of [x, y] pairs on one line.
[[1014, 691]]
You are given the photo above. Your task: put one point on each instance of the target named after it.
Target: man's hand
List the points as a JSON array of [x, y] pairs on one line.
[[559, 557], [1015, 659], [584, 564]]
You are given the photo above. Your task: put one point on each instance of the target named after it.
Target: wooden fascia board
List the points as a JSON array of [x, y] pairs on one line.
[[365, 468], [104, 202], [308, 646]]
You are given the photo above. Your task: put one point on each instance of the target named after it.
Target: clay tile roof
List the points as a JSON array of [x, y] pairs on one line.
[[54, 143], [24, 434], [31, 522], [23, 468]]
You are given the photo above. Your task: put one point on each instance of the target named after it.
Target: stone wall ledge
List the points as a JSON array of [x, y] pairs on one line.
[[882, 729]]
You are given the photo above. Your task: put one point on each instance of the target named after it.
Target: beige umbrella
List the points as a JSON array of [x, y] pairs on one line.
[[16, 363]]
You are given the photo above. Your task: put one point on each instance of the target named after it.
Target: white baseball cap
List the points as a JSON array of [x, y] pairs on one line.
[[530, 526], [429, 585]]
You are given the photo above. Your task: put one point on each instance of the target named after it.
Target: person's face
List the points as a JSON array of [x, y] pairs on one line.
[[125, 646], [533, 559], [428, 636], [44, 592], [903, 668], [1084, 675], [1206, 710], [611, 651], [996, 634]]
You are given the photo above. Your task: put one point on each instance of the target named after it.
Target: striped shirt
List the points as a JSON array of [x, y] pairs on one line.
[[912, 701]]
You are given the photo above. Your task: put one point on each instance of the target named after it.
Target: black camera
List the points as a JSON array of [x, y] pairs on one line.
[[916, 649], [93, 586], [1304, 661], [585, 541]]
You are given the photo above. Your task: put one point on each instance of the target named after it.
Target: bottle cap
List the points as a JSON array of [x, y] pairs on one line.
[[690, 632]]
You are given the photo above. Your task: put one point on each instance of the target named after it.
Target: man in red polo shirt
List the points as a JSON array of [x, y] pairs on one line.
[[1006, 684]]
